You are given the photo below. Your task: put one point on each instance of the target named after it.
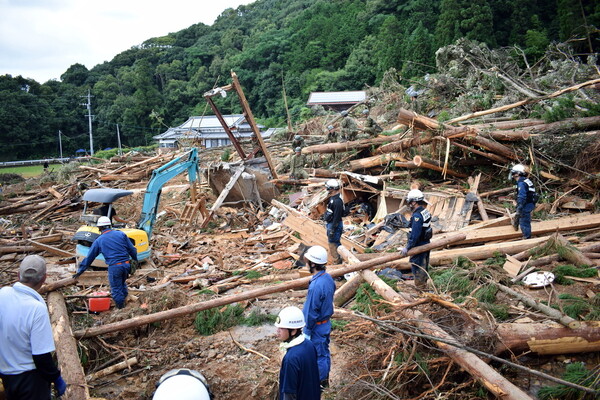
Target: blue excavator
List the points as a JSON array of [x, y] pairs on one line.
[[140, 235]]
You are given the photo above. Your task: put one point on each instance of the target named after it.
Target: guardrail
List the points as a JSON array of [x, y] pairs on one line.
[[39, 162]]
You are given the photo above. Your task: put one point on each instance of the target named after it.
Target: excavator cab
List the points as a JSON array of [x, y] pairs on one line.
[[87, 233]]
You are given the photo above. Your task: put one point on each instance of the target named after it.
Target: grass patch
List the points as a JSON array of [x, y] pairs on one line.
[[575, 373], [209, 322]]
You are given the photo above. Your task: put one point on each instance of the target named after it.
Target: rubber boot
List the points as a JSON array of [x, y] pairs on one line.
[[334, 254]]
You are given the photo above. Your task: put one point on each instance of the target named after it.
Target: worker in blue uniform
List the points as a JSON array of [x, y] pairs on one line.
[[299, 373], [526, 199], [333, 217], [420, 234], [117, 250], [318, 309]]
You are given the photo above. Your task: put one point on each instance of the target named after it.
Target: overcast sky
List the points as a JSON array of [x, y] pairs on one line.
[[40, 39]]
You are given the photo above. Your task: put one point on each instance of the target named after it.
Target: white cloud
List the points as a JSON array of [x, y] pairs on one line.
[[40, 39]]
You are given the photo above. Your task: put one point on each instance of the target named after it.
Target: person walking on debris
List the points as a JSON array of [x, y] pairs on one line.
[[420, 234], [46, 165], [26, 342], [526, 199], [117, 250], [299, 373], [371, 127], [297, 165], [333, 217], [332, 136], [318, 309], [349, 127], [298, 142]]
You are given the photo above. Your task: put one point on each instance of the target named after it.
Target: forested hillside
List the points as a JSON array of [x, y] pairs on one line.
[[304, 45]]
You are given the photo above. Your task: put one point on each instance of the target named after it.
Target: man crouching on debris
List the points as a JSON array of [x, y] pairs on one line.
[[333, 217], [117, 249], [420, 234], [299, 374], [318, 309]]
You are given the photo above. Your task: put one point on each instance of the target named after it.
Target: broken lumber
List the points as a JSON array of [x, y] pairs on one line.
[[548, 338], [549, 311], [66, 349], [380, 161], [434, 166], [51, 249], [52, 286], [479, 369], [250, 294], [112, 369]]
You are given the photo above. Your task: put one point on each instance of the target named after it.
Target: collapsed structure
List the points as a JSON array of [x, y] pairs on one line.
[[238, 246]]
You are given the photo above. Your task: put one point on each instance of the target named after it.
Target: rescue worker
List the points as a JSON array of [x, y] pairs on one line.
[[297, 164], [182, 384], [332, 136], [333, 217], [349, 127], [318, 309], [526, 199], [371, 127], [420, 234], [117, 250], [298, 142], [107, 211], [26, 342], [299, 373]]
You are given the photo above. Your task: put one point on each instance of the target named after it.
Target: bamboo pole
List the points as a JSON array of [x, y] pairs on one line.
[[251, 294]]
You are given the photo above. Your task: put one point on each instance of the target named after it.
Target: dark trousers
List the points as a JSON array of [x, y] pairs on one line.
[[117, 275], [28, 385]]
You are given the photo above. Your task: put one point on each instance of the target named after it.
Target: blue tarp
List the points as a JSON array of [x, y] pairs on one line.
[[81, 151]]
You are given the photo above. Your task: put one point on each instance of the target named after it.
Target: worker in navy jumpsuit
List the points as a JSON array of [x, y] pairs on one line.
[[318, 309], [525, 204], [420, 234], [117, 250]]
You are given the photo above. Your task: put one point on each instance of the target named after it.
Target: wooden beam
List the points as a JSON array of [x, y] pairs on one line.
[[51, 249]]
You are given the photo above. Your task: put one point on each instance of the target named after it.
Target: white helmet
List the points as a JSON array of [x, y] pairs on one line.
[[103, 221], [316, 254], [182, 384], [297, 137], [298, 149], [332, 184], [291, 318], [415, 195], [330, 127], [365, 111], [517, 169]]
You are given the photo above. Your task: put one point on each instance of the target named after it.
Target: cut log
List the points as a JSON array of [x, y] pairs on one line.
[[491, 156], [549, 311], [17, 249], [348, 289], [433, 165], [568, 251], [495, 192], [66, 349], [548, 338], [52, 286], [492, 146], [381, 160], [329, 148], [112, 369], [250, 294], [51, 249], [479, 369]]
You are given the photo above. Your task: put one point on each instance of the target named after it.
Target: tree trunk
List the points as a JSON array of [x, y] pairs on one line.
[[492, 146], [51, 286], [432, 165], [381, 160], [548, 338], [66, 349], [479, 369], [569, 252], [250, 294], [328, 148], [549, 311], [348, 289]]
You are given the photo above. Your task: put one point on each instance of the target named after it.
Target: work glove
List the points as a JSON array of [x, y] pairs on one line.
[[77, 275], [60, 386], [404, 251], [516, 221]]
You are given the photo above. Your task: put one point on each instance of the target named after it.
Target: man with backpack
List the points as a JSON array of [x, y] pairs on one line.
[[420, 234], [526, 199]]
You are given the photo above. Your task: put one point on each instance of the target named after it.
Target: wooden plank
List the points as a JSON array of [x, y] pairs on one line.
[[312, 233], [223, 195], [51, 249]]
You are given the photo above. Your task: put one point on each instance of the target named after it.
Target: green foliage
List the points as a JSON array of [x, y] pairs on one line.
[[574, 373], [452, 281], [577, 271], [487, 293], [253, 274], [498, 260], [578, 308], [226, 155], [499, 311], [367, 301], [211, 321], [257, 318], [338, 324], [561, 108]]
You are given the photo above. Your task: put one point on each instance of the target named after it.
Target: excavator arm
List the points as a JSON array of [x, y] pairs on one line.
[[187, 162]]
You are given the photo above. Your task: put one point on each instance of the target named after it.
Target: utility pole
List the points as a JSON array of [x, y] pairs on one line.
[[89, 108], [60, 144], [119, 140]]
